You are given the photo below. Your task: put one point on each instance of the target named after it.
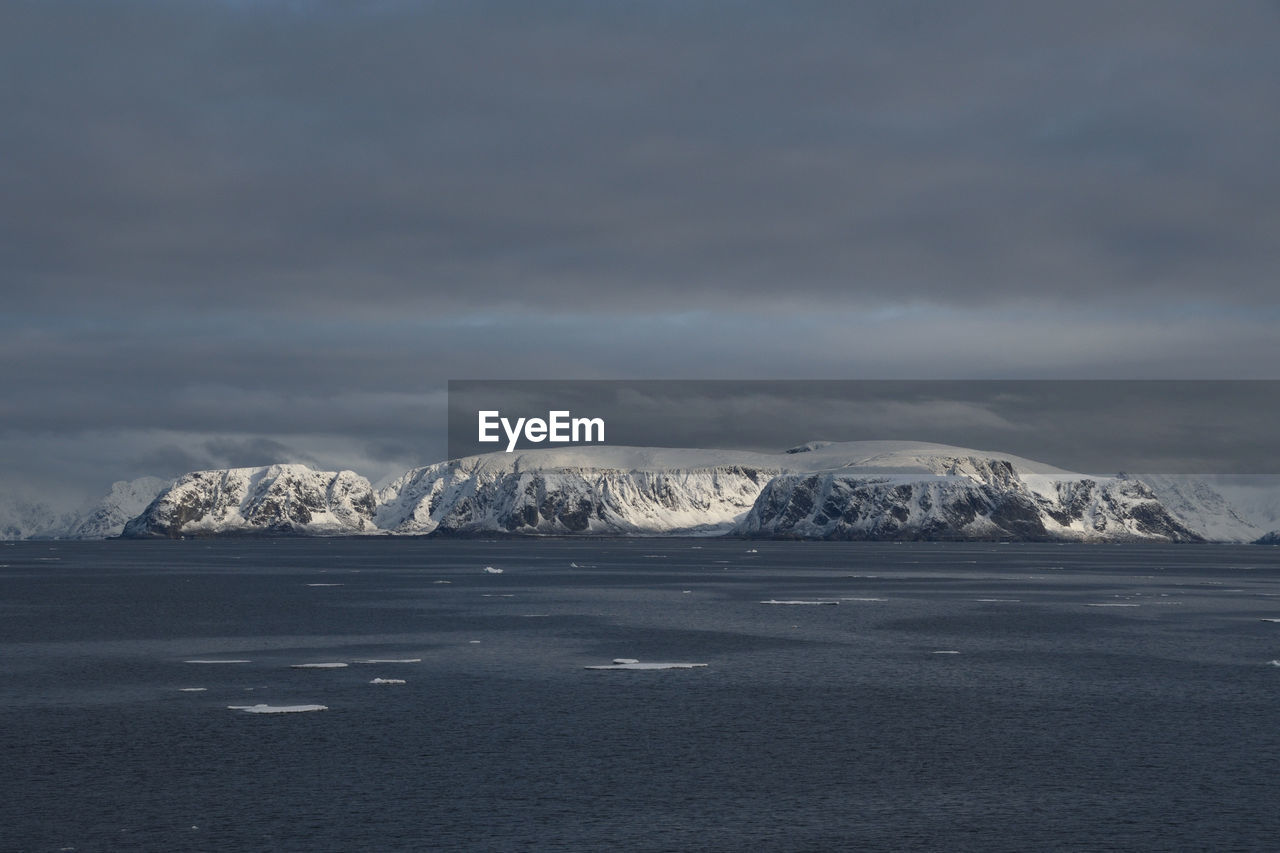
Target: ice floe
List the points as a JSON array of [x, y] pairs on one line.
[[325, 665], [490, 570], [800, 601], [326, 584], [632, 663], [277, 709], [218, 660], [945, 652], [1004, 599], [864, 599], [1273, 663], [1115, 605], [389, 660], [1271, 620], [387, 681], [192, 689]]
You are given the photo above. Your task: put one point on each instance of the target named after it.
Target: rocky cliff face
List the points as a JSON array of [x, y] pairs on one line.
[[449, 498], [974, 499], [278, 499]]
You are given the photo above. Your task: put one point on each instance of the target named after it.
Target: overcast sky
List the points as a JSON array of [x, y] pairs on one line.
[[241, 232]]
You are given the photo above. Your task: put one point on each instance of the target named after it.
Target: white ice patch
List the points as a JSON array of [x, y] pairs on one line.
[[277, 709], [387, 681], [1120, 605], [325, 665], [442, 581], [1273, 663], [490, 570], [632, 663], [1271, 620], [1005, 599], [864, 599], [217, 661], [800, 601], [192, 689], [390, 660], [326, 584], [945, 652]]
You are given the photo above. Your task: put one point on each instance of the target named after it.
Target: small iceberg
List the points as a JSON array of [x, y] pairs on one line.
[[490, 570], [326, 665], [387, 681], [1271, 620], [800, 601], [277, 709], [632, 663], [1273, 663], [217, 661]]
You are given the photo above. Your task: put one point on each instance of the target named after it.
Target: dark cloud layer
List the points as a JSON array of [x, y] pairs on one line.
[[291, 222]]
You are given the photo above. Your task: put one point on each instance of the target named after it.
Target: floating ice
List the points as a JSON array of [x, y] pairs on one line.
[[799, 601], [1122, 605], [490, 570], [474, 642], [1273, 663], [945, 652], [864, 599], [390, 660], [192, 689], [1271, 620], [277, 709], [217, 661], [326, 665], [632, 663], [387, 681], [1004, 599], [325, 584], [442, 581]]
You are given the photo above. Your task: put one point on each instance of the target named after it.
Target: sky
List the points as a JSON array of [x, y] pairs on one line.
[[237, 232]]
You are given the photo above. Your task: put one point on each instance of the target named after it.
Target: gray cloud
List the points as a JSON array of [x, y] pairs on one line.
[[245, 223]]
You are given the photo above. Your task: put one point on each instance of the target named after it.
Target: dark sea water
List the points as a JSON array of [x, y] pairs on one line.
[[1058, 725]]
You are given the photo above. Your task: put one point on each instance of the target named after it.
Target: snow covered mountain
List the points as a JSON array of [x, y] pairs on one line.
[[276, 499], [826, 490], [1199, 505], [107, 515], [587, 490], [27, 519]]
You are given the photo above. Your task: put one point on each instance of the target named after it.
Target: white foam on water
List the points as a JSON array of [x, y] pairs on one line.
[[192, 689], [217, 661], [798, 601], [490, 570], [634, 664], [326, 665], [387, 681], [326, 584], [389, 660], [277, 709]]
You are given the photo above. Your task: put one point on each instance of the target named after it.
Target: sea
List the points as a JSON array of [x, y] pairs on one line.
[[853, 696]]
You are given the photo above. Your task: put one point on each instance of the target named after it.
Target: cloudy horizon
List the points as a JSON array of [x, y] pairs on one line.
[[244, 232]]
